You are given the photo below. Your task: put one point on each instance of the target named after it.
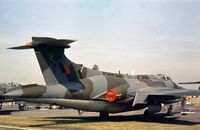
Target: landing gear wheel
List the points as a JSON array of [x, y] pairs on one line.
[[104, 115], [147, 116], [22, 106], [169, 110]]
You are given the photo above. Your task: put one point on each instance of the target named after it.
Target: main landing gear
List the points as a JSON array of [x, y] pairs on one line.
[[151, 109], [104, 115], [147, 115]]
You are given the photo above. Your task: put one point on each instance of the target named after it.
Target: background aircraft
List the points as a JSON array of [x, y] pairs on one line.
[[75, 86], [5, 87]]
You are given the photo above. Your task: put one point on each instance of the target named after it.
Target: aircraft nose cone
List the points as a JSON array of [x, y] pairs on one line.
[[14, 93]]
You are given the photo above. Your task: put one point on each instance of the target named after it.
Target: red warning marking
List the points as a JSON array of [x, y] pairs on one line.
[[67, 70]]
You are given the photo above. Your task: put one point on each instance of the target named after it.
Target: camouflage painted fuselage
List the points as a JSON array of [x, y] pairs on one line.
[[75, 86], [95, 88]]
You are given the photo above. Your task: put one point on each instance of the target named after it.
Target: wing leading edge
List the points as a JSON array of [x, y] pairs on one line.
[[162, 95]]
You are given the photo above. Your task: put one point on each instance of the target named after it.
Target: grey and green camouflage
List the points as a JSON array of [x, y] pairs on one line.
[[73, 85]]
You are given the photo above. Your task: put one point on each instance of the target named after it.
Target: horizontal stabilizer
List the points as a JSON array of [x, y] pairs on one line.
[[43, 39], [43, 42]]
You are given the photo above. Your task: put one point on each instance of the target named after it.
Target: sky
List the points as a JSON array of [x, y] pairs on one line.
[[144, 36]]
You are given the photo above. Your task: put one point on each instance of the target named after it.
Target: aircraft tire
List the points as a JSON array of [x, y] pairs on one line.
[[147, 116], [104, 115]]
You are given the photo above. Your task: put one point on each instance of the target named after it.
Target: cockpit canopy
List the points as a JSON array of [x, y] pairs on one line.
[[164, 77], [151, 77]]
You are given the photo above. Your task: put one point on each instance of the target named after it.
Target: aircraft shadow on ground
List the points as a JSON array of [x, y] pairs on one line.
[[158, 118]]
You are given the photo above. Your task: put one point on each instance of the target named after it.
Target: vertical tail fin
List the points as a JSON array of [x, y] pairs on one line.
[[55, 66]]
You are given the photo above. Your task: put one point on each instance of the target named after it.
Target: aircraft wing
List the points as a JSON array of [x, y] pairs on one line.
[[161, 95], [190, 82]]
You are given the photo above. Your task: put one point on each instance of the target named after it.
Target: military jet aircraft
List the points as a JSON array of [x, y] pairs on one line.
[[3, 88], [73, 85]]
